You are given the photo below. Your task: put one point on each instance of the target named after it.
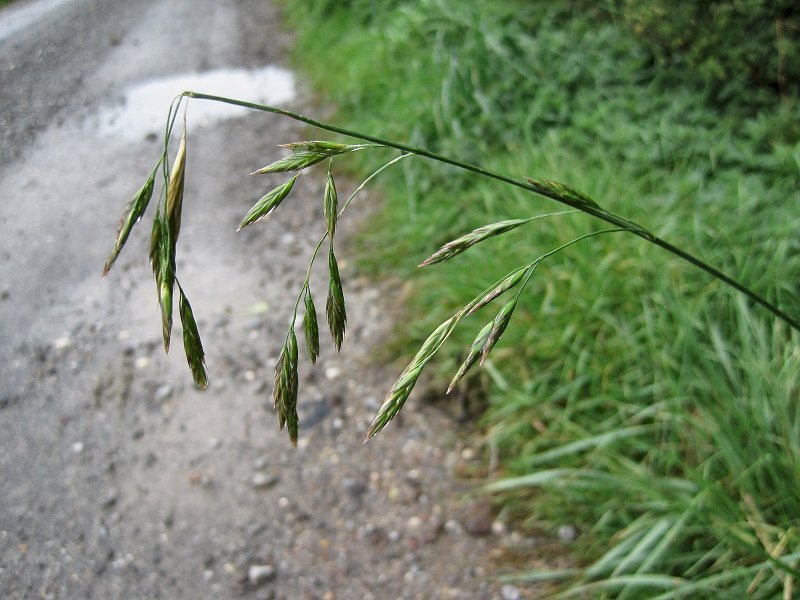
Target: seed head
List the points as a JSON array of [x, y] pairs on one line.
[[268, 203], [335, 307]]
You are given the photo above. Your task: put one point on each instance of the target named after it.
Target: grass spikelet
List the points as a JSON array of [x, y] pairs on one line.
[[502, 286], [401, 389], [472, 356], [335, 307], [165, 303], [268, 203], [284, 393], [330, 204], [325, 147], [192, 345], [459, 245], [132, 214], [175, 189], [562, 191], [162, 261], [307, 154], [156, 244], [498, 327], [310, 326]]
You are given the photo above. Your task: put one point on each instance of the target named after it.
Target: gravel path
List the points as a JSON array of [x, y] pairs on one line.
[[119, 480]]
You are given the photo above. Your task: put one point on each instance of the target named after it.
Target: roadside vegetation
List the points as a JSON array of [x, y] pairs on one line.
[[631, 397]]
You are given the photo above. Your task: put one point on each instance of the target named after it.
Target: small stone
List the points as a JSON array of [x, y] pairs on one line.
[[478, 519], [62, 343], [332, 372], [509, 592], [141, 362], [77, 447], [260, 463], [260, 574], [498, 527], [263, 481], [414, 476], [163, 393], [111, 498], [567, 533], [354, 487], [453, 527], [374, 535]]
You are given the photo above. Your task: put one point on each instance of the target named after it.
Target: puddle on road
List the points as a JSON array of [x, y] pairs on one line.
[[144, 109]]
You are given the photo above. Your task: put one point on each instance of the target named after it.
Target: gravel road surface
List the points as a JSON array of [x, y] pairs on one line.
[[117, 478]]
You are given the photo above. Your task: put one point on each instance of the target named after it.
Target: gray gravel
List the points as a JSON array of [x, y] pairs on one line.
[[119, 480]]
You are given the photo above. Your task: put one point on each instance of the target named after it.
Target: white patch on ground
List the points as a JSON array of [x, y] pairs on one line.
[[145, 105], [17, 18]]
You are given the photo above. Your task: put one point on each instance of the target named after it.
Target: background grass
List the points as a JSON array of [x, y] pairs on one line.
[[631, 396]]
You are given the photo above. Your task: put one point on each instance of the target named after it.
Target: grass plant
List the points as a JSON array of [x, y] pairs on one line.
[[630, 395]]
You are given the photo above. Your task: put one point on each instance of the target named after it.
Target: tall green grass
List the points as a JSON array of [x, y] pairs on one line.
[[631, 396]]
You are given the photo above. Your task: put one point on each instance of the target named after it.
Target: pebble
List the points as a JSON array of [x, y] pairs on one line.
[[498, 527], [509, 592], [260, 574], [62, 343], [141, 362], [478, 519], [567, 533], [77, 447], [163, 392], [262, 481], [374, 535], [453, 527], [354, 487], [332, 372], [111, 498]]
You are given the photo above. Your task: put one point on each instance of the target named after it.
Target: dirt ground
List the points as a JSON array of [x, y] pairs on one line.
[[118, 478]]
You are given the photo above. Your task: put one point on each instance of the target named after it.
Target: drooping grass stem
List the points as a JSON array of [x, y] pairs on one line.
[[585, 207]]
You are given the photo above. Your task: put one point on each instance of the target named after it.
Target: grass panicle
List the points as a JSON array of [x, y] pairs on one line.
[[269, 202], [335, 307], [193, 347], [310, 326]]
